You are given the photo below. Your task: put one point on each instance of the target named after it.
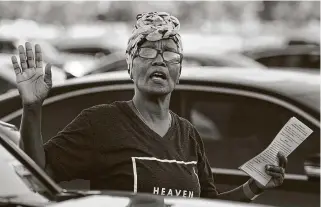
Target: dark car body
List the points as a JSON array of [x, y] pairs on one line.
[[237, 113], [23, 183], [289, 57]]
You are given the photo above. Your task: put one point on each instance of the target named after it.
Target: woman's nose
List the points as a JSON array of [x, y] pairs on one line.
[[158, 61]]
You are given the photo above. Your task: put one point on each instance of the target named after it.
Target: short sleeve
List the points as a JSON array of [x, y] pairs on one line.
[[70, 153], [208, 189]]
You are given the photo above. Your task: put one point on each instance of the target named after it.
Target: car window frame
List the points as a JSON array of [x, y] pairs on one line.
[[184, 89], [30, 165]]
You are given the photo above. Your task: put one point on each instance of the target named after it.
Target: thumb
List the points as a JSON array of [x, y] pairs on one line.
[[47, 78]]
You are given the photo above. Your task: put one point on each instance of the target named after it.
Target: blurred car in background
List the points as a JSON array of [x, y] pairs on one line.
[[93, 48], [50, 54], [117, 61], [24, 184], [9, 45], [235, 110], [8, 76], [292, 57]]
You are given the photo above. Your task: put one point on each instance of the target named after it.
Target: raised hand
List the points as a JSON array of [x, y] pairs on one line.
[[32, 83]]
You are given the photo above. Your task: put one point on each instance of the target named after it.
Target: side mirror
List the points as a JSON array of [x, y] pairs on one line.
[[312, 167]]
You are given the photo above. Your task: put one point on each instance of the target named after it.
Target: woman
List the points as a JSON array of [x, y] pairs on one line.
[[137, 145]]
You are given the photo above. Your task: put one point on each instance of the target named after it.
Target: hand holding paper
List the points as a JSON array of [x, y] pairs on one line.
[[287, 140]]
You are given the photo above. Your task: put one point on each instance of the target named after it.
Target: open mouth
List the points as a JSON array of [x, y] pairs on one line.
[[159, 75]]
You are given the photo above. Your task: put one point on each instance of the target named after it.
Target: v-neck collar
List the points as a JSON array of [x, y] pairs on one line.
[[138, 122]]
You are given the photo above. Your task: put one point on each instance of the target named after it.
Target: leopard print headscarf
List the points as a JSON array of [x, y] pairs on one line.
[[152, 26]]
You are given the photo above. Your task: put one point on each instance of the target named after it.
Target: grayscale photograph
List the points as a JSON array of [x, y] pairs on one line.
[[160, 103]]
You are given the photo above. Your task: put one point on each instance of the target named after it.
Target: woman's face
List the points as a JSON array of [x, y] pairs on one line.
[[156, 76]]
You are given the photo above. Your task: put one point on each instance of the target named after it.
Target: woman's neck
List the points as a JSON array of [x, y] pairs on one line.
[[152, 108]]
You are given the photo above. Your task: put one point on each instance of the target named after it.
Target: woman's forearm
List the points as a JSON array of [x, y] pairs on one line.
[[238, 193], [31, 138]]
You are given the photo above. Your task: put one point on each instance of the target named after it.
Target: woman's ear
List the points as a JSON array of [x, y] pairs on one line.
[[130, 73], [179, 75]]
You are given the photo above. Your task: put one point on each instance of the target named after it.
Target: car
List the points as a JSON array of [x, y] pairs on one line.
[[117, 61], [95, 46], [90, 48], [9, 45], [291, 57], [23, 183], [237, 113], [63, 61], [8, 77]]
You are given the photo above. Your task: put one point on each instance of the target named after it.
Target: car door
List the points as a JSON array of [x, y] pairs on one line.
[[236, 125]]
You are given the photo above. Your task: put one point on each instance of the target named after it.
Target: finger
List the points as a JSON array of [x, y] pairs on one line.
[[273, 168], [23, 59], [283, 161], [38, 56], [277, 178], [47, 78], [16, 65], [30, 56], [275, 175]]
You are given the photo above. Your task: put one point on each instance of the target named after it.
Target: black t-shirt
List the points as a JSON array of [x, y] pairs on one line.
[[114, 149]]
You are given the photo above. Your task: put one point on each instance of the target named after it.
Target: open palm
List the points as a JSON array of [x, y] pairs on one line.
[[32, 83]]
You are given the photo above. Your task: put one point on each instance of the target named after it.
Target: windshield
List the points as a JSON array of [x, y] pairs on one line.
[[17, 181]]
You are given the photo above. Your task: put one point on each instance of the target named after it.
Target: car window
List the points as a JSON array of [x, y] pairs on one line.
[[292, 61], [7, 47], [17, 180], [58, 114], [236, 128], [5, 85]]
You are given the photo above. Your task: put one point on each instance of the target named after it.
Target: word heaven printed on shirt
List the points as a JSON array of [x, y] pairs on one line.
[[173, 192], [156, 176]]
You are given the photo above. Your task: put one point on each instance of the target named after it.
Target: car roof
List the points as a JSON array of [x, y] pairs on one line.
[[88, 42], [296, 85], [230, 58]]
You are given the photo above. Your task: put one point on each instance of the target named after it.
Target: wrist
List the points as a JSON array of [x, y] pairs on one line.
[[254, 187], [33, 106], [251, 190]]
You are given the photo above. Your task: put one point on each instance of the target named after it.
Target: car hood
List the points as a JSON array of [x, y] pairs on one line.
[[148, 201]]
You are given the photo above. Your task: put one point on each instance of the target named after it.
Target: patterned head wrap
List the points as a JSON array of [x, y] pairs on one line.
[[152, 26]]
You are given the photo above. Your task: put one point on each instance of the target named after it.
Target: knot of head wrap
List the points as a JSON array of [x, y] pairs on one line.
[[152, 26]]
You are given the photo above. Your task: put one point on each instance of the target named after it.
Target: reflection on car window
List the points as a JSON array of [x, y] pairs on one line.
[[245, 127], [16, 179]]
